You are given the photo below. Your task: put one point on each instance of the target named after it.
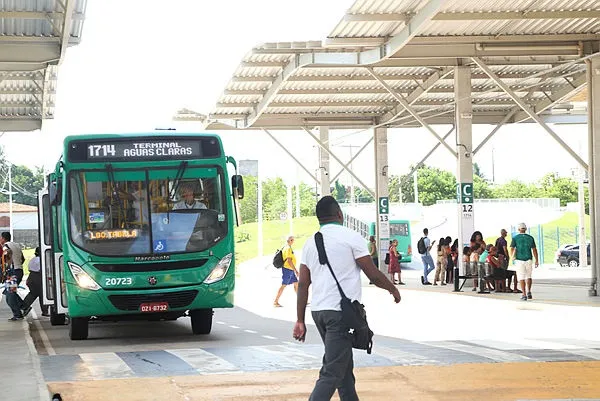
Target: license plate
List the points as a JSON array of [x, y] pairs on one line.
[[154, 307]]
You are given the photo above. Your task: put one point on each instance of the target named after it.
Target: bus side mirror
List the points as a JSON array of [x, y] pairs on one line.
[[54, 193], [237, 186]]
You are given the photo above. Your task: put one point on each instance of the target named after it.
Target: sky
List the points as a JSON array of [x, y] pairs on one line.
[[140, 61]]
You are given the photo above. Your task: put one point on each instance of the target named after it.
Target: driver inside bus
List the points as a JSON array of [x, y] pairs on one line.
[[187, 199]]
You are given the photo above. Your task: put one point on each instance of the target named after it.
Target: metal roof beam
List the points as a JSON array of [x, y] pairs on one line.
[[292, 156], [409, 108], [69, 7], [363, 103], [523, 39], [476, 16], [361, 91], [529, 111], [28, 53], [262, 64], [389, 77], [423, 88], [516, 15], [38, 15], [574, 86], [20, 123]]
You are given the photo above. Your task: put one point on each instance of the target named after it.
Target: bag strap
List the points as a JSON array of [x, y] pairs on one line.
[[324, 260]]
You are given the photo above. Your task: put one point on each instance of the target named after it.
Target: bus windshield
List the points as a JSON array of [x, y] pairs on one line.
[[147, 211]]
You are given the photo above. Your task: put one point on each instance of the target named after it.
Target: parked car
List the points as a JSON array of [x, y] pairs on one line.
[[562, 247], [570, 256]]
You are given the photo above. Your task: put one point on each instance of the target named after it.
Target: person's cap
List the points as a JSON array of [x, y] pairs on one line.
[[522, 226]]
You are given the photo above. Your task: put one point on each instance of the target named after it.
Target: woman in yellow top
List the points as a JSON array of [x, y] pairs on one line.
[[289, 273]]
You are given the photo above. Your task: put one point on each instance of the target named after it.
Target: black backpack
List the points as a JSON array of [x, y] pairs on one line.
[[421, 246], [278, 259]]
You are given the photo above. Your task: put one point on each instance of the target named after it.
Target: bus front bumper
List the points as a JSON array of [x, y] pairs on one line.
[[85, 303]]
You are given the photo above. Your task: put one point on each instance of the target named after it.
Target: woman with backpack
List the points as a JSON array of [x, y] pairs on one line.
[[289, 272]]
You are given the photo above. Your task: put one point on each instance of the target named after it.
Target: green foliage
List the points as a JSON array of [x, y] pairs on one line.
[[559, 187], [481, 188], [339, 192], [241, 236], [435, 184], [274, 236], [274, 193], [516, 189], [362, 195], [249, 205]]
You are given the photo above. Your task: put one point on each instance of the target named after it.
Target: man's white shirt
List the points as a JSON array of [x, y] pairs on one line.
[[343, 246]]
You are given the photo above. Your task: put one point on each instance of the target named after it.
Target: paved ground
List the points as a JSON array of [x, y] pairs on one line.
[[434, 345]]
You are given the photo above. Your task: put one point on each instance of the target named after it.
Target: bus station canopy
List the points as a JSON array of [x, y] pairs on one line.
[[391, 63], [34, 36]]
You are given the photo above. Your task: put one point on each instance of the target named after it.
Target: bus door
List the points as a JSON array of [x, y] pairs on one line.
[[46, 252]]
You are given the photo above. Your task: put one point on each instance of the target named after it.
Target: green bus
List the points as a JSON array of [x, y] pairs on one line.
[[138, 226], [363, 221]]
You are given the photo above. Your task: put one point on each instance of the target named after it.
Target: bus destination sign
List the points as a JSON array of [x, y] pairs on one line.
[[104, 150], [143, 150]]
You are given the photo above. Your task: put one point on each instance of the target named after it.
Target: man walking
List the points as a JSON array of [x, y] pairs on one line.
[[521, 248], [347, 255], [12, 259], [424, 247]]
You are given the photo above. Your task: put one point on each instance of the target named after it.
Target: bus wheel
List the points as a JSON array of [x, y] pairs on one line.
[[56, 319], [78, 328], [201, 320]]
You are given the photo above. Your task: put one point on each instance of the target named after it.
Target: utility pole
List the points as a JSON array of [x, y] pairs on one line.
[[350, 147]]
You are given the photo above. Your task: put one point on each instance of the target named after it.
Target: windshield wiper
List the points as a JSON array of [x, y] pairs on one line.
[[115, 190], [178, 178]]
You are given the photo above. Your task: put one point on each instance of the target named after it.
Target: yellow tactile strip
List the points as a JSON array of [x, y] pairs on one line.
[[469, 382]]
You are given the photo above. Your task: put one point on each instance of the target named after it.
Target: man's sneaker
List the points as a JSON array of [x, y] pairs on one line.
[[26, 311], [427, 283], [15, 318], [529, 295], [422, 280], [45, 314], [524, 298]]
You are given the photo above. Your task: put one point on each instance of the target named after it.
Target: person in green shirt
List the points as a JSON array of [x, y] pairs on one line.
[[522, 247]]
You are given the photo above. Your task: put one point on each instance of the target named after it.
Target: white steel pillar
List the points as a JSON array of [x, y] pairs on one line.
[[464, 148], [324, 161], [382, 194], [593, 85]]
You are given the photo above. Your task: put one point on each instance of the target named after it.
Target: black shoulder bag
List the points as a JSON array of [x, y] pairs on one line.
[[354, 315]]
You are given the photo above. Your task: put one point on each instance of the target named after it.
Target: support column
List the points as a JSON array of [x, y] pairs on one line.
[[324, 161], [382, 194], [593, 85], [464, 168]]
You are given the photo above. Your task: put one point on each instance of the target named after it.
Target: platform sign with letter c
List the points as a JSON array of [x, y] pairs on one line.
[[384, 218]]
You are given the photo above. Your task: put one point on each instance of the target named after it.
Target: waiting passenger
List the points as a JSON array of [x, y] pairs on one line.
[[188, 201]]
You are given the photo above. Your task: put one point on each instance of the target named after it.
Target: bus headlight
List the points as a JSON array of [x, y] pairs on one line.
[[220, 270], [83, 279]]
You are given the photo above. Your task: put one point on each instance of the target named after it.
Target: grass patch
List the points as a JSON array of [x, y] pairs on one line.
[[553, 234], [275, 233]]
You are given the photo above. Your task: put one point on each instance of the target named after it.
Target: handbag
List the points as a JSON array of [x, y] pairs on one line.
[[354, 315], [387, 259]]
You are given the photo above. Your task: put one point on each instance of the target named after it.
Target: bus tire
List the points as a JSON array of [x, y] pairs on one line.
[[56, 319], [201, 320], [78, 328]]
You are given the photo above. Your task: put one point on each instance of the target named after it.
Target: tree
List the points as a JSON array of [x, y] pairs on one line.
[[481, 188], [477, 171], [564, 188], [339, 192], [516, 189], [249, 205], [363, 195], [25, 183], [433, 184]]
